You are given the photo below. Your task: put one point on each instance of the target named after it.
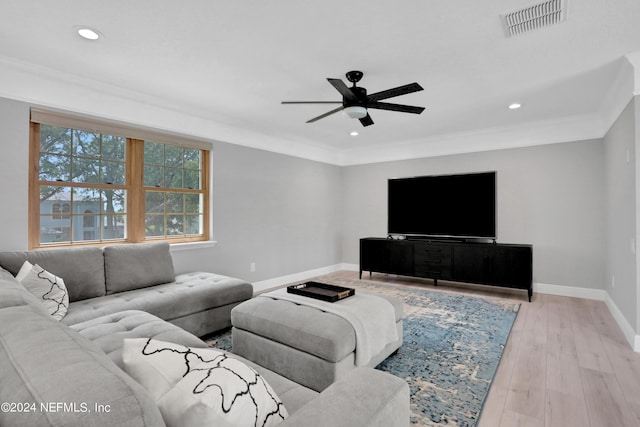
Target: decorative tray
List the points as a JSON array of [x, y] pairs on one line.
[[321, 291]]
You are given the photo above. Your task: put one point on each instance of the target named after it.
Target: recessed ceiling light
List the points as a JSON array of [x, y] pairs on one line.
[[88, 33], [354, 133], [515, 106]]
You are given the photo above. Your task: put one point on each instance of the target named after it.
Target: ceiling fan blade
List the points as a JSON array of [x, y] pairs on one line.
[[343, 89], [395, 107], [397, 91], [322, 116], [366, 120], [311, 102]]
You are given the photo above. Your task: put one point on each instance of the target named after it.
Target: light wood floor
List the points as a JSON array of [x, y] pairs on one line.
[[566, 363]]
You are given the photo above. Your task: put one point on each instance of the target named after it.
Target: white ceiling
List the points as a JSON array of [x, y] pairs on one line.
[[223, 68]]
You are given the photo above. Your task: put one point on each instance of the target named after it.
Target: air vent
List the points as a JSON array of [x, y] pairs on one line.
[[536, 16]]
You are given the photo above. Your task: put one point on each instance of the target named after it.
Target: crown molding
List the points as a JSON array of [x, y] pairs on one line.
[[633, 58], [568, 129], [619, 95], [47, 87]]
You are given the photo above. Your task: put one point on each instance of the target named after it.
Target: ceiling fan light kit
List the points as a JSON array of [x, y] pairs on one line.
[[356, 102], [355, 111]]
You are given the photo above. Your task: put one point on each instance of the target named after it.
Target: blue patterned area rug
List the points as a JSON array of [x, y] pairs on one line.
[[451, 351]]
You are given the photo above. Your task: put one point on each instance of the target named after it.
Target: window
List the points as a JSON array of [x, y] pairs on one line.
[[97, 186], [171, 180], [56, 211], [89, 220]]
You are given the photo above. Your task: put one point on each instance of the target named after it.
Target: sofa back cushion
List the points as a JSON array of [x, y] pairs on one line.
[[13, 293], [82, 269], [43, 362], [128, 267]]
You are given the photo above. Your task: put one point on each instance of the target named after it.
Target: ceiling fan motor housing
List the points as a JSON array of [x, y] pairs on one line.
[[361, 97]]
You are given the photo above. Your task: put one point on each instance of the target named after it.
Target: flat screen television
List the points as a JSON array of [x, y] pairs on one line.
[[449, 206]]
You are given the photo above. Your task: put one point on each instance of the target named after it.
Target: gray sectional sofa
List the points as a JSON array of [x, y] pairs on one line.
[[60, 373], [102, 281]]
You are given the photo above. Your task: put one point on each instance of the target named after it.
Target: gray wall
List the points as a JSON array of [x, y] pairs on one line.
[[280, 212], [620, 202], [14, 174], [290, 215], [636, 121], [550, 196]]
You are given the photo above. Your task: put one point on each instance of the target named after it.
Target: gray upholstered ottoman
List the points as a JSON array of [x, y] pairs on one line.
[[305, 344]]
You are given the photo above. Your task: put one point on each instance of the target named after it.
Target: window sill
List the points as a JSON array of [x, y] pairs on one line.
[[177, 247]]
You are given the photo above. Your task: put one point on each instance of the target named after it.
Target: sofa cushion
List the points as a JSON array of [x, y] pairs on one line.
[[110, 331], [45, 362], [48, 288], [365, 397], [190, 293], [13, 293], [135, 266], [293, 395], [82, 269]]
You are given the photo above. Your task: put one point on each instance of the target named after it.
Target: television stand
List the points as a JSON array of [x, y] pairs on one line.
[[444, 239], [495, 264]]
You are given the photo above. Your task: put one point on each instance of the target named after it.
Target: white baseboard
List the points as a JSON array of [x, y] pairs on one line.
[[595, 294], [350, 267], [629, 333], [570, 291], [543, 288]]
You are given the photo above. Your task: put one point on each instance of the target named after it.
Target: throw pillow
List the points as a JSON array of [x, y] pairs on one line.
[[47, 287], [201, 386], [24, 271]]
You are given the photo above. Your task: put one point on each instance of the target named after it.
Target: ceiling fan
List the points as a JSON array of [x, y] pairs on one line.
[[356, 103]]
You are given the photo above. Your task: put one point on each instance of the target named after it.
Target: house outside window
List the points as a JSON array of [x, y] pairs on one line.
[[97, 187]]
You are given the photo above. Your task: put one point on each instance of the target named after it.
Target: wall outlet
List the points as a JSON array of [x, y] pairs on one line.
[[633, 245], [613, 281], [252, 267]]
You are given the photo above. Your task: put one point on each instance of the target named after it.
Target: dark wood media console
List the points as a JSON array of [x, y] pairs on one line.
[[495, 264]]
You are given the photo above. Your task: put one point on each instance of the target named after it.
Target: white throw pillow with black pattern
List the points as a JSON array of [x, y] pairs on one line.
[[201, 386], [49, 288]]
